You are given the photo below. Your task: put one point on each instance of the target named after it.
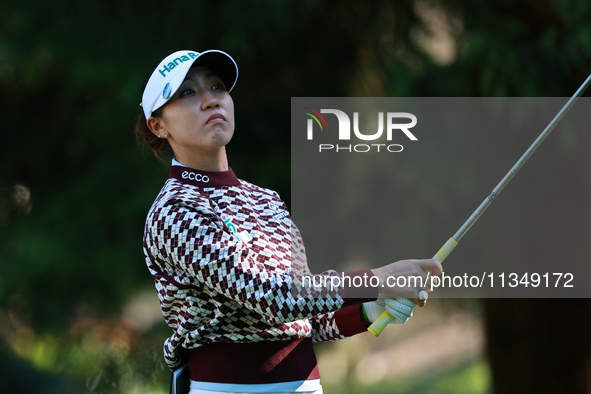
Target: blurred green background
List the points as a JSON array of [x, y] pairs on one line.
[[78, 310]]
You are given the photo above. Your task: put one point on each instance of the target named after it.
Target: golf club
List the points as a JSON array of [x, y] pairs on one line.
[[378, 326]]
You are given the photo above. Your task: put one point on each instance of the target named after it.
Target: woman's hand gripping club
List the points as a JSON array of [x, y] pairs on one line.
[[386, 317]]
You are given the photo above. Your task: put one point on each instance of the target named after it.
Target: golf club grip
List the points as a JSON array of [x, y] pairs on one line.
[[385, 318]]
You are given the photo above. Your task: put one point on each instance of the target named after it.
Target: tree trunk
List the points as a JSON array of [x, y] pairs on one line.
[[543, 345]]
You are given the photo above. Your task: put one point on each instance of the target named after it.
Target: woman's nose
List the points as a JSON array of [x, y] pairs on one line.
[[209, 100]]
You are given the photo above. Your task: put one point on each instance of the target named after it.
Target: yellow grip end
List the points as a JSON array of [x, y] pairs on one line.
[[381, 322]]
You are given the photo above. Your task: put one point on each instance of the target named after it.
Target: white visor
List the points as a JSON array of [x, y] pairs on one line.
[[172, 70]]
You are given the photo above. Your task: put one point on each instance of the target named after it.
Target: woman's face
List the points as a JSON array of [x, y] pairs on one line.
[[199, 119]]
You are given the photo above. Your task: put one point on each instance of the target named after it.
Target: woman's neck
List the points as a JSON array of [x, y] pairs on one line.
[[206, 161]]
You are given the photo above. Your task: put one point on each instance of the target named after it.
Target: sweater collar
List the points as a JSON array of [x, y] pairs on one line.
[[202, 178]]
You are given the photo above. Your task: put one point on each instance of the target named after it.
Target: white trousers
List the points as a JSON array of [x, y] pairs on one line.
[[201, 391], [293, 387]]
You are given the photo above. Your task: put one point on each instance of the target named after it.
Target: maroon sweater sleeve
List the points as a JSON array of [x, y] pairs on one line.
[[348, 318]]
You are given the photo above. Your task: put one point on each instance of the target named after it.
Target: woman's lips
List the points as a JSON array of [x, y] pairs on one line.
[[216, 118]]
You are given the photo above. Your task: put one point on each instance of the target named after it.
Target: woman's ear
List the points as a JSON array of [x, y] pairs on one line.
[[156, 126]]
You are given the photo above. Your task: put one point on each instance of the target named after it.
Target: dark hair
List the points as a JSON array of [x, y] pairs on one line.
[[144, 135]]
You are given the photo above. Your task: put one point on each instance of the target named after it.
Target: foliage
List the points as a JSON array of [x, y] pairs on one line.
[[471, 378], [71, 76]]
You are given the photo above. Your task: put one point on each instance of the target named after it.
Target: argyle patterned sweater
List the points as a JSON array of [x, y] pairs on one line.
[[228, 262]]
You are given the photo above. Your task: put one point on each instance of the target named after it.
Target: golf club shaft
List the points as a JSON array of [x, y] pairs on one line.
[[378, 326]]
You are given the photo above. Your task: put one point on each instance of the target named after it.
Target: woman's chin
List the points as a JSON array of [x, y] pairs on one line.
[[221, 137]]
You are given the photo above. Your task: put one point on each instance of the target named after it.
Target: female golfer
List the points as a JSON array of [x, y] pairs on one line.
[[228, 263]]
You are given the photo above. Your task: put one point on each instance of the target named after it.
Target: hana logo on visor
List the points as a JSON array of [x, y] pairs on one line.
[[166, 91]]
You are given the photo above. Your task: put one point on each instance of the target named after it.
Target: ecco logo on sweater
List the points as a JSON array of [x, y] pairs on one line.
[[195, 176]]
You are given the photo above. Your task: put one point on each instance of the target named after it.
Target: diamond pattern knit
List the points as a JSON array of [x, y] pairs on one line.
[[227, 263]]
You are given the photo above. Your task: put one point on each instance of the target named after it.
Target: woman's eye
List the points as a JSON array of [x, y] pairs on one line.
[[217, 86], [186, 91]]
